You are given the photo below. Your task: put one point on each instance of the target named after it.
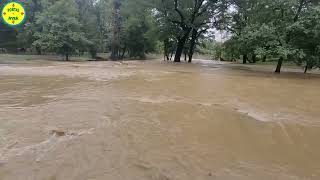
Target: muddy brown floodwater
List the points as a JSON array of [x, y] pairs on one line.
[[157, 121]]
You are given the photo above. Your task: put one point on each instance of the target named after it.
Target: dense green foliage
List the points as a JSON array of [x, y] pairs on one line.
[[287, 29], [258, 29], [72, 27], [58, 33]]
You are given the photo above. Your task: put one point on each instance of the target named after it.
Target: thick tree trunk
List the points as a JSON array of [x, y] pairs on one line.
[[166, 57], [254, 58], [280, 61], [190, 57], [185, 56], [264, 59], [192, 44], [67, 56], [171, 55], [115, 52], [166, 50], [245, 58], [180, 45], [179, 51], [191, 51], [123, 52], [306, 69], [308, 66]]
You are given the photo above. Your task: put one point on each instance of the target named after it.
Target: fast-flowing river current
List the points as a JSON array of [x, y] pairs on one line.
[[152, 120]]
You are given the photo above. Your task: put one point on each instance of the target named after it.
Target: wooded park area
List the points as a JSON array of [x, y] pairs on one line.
[[258, 30]]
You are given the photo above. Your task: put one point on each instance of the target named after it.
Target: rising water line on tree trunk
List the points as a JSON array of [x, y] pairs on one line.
[[180, 46], [280, 61]]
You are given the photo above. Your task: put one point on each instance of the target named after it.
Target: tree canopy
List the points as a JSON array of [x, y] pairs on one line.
[[258, 29]]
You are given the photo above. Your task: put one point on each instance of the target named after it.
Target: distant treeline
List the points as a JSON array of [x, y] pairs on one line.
[[288, 30]]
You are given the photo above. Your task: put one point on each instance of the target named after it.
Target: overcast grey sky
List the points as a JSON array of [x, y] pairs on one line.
[[221, 36]]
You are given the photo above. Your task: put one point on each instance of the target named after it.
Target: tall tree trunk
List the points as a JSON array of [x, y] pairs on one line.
[[245, 58], [180, 45], [123, 51], [254, 58], [166, 49], [116, 31], [306, 69], [280, 61], [264, 59], [308, 66], [191, 51], [185, 56], [194, 36], [67, 56], [171, 55]]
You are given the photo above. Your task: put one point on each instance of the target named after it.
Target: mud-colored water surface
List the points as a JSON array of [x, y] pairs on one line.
[[157, 121]]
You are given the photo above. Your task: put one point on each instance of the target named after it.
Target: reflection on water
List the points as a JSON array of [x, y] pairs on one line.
[[159, 121]]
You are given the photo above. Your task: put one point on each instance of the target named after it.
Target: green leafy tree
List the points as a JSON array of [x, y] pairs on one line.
[[190, 18], [61, 29], [26, 32], [117, 25], [306, 38], [134, 31], [265, 27], [88, 18], [135, 37]]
